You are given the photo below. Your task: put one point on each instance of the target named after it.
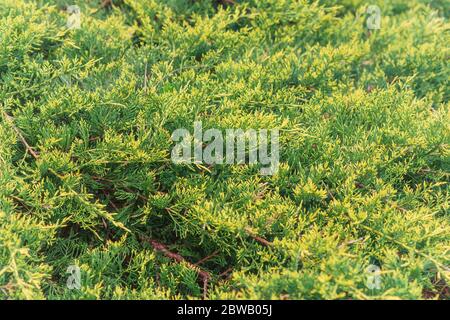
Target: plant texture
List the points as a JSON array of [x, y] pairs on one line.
[[86, 177]]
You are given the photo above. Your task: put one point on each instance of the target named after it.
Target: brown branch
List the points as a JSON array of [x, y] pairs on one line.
[[106, 3], [262, 241], [203, 275], [207, 258], [29, 149], [225, 273], [259, 239]]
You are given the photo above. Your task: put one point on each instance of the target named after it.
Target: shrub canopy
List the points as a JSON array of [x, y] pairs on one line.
[[86, 177]]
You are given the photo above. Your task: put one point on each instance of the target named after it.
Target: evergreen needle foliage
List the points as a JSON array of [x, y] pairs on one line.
[[86, 177]]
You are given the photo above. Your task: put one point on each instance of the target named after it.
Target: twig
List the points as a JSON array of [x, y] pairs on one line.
[[330, 194], [262, 241], [30, 150], [259, 239], [204, 276], [207, 258], [226, 272], [106, 3]]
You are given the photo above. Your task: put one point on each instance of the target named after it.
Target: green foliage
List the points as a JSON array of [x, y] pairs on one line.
[[364, 163]]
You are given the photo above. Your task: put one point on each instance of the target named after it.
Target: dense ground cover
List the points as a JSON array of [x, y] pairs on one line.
[[86, 177]]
